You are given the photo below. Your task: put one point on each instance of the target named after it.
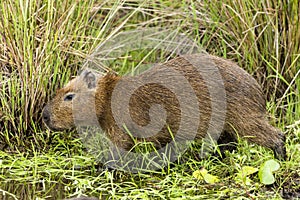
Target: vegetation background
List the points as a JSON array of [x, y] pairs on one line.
[[43, 43]]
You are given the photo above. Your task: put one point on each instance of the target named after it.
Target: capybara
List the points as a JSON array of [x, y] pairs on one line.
[[183, 94]]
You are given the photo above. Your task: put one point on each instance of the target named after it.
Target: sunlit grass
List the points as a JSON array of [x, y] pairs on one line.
[[63, 173]]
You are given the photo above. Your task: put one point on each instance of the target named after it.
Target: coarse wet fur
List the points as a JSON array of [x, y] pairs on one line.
[[245, 112]]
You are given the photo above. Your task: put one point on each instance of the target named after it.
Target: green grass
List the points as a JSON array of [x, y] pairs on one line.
[[45, 42], [62, 172]]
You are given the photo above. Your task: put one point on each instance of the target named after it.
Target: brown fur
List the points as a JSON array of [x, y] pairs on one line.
[[245, 113]]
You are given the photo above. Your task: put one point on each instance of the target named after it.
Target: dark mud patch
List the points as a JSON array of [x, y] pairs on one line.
[[291, 187]]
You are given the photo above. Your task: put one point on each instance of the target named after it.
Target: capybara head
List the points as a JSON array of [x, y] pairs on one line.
[[72, 104]]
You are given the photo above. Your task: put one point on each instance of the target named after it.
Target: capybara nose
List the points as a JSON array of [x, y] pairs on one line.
[[46, 115]]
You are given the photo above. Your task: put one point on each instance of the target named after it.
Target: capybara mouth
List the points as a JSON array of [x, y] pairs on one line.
[[51, 127], [54, 128]]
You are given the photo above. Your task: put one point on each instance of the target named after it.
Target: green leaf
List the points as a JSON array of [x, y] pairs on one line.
[[266, 170], [203, 174], [244, 172], [248, 170]]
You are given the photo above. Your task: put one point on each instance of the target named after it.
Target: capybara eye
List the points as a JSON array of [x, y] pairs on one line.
[[69, 97]]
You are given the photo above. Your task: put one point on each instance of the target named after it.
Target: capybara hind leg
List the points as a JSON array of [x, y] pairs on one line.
[[268, 136], [227, 142]]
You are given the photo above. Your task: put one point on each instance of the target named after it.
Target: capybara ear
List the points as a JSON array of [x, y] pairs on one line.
[[89, 78]]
